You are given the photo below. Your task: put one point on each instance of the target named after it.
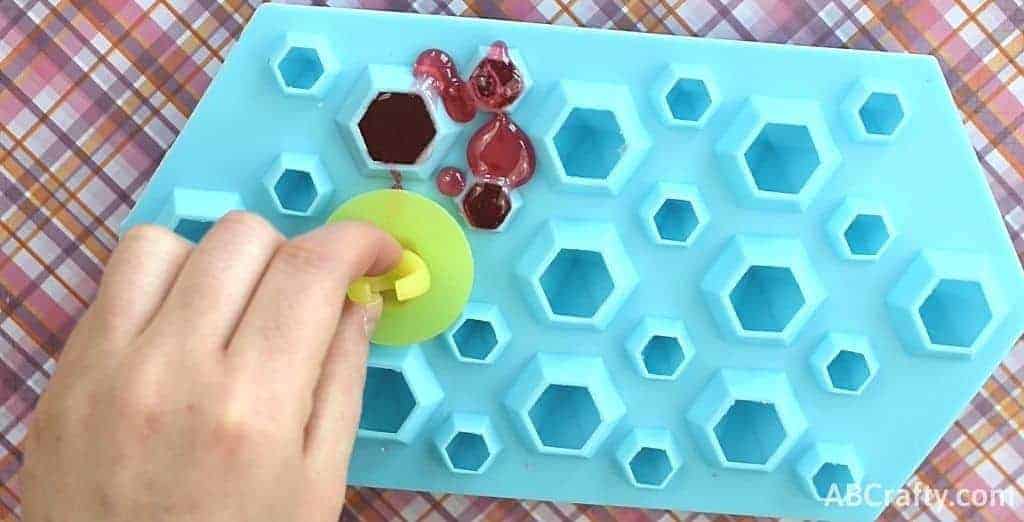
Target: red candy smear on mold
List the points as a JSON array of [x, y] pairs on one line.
[[493, 85], [486, 205], [450, 181], [500, 149], [495, 82], [439, 74], [499, 154]]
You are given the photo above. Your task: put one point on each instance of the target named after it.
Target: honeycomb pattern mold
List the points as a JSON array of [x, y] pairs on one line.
[[732, 261]]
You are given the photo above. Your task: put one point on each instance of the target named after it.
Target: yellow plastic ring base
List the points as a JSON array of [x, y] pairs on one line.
[[431, 233]]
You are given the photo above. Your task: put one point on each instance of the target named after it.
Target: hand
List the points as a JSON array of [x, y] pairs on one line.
[[215, 383]]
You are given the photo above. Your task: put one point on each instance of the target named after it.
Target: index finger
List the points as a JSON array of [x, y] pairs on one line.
[[290, 321]]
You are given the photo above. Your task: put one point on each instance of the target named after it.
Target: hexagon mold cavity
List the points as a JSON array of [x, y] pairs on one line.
[[577, 273], [685, 96], [649, 457], [400, 395], [589, 143], [827, 469], [565, 404], [467, 443], [191, 213], [590, 136], [860, 230], [376, 79], [304, 65], [746, 419], [480, 335], [515, 204], [777, 153], [297, 184], [660, 348], [762, 288], [673, 214], [947, 303], [875, 111], [844, 363]]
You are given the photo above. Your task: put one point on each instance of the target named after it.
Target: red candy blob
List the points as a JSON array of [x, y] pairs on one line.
[[450, 181], [493, 85], [495, 82], [499, 154], [500, 149], [486, 205], [439, 74]]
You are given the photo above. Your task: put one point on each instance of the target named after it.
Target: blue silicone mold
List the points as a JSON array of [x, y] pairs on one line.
[[743, 274]]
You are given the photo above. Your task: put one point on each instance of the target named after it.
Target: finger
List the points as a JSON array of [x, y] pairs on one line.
[[136, 280], [288, 327], [337, 399], [216, 283]]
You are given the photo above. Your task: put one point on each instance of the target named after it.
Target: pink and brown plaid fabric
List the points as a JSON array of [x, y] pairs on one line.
[[92, 92]]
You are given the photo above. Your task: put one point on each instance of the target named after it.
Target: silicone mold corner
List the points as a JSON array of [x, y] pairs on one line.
[[400, 396], [777, 154], [875, 111], [947, 303], [577, 273], [674, 214], [378, 79], [844, 363], [190, 213], [860, 230], [467, 443], [590, 135], [827, 469], [649, 457], [763, 288], [480, 335], [660, 348], [565, 404], [297, 184], [747, 419], [685, 96], [304, 65]]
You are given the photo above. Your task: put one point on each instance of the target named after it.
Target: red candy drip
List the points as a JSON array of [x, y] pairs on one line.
[[451, 181], [495, 82], [500, 155], [486, 205], [439, 74], [501, 150]]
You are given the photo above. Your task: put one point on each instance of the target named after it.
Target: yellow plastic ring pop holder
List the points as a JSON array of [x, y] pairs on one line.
[[426, 292]]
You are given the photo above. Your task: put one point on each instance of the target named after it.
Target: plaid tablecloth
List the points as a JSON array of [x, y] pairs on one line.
[[92, 92]]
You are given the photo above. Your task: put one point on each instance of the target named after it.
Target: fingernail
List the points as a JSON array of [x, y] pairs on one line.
[[371, 314]]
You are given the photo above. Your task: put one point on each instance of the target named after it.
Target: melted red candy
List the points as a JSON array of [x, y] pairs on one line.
[[397, 128], [499, 154], [486, 205], [495, 82], [450, 181], [440, 75], [493, 85], [500, 149]]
